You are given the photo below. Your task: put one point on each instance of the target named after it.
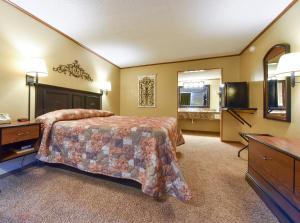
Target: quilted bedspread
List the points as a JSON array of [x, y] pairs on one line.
[[138, 148]]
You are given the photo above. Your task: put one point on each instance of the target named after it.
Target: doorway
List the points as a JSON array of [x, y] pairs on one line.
[[199, 101]]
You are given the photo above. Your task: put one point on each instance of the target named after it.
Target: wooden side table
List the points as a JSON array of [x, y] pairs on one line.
[[18, 139]]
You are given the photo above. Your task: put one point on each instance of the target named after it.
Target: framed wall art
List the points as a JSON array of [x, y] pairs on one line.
[[147, 91]]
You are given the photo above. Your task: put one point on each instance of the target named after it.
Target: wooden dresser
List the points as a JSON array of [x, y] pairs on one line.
[[274, 173], [17, 140]]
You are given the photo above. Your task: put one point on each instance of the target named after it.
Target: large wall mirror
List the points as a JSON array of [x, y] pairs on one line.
[[277, 90], [194, 97]]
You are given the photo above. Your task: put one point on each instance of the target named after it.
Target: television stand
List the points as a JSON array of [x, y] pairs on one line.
[[234, 112]]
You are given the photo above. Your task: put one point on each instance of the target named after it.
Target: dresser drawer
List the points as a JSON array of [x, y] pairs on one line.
[[275, 167], [297, 178], [19, 134]]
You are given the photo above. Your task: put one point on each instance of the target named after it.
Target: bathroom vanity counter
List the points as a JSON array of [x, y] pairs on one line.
[[198, 114]]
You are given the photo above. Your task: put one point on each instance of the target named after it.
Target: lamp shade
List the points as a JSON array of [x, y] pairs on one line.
[[36, 66], [288, 63], [105, 86]]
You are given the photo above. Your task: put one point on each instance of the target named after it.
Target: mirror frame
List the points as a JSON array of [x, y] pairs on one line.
[[288, 88]]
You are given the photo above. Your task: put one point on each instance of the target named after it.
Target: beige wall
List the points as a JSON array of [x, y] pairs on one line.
[[166, 100], [22, 37], [285, 30], [214, 93]]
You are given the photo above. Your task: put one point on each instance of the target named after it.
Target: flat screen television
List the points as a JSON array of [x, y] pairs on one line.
[[235, 95]]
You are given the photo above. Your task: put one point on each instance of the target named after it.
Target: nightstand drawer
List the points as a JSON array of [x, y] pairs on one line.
[[19, 134]]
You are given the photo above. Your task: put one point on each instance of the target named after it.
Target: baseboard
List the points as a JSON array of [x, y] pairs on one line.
[[232, 141]]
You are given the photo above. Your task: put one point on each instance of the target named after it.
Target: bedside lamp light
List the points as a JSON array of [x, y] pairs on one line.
[[105, 87], [288, 65], [35, 68]]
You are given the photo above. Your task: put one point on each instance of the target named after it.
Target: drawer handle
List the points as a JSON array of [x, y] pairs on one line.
[[266, 158], [22, 133]]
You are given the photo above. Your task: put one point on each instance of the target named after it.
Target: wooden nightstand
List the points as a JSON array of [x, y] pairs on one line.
[[18, 139]]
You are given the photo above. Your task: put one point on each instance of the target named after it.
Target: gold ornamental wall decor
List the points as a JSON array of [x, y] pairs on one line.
[[147, 91], [74, 70]]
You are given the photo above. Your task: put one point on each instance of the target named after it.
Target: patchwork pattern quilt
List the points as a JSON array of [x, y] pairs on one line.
[[138, 148]]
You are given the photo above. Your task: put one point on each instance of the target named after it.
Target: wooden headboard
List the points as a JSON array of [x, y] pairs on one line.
[[50, 98]]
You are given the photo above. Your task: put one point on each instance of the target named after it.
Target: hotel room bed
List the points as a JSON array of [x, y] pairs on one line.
[[138, 148]]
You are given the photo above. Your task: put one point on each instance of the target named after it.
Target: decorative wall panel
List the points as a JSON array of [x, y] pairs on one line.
[[73, 70], [147, 90]]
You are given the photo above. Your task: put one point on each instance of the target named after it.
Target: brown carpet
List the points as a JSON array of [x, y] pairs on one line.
[[214, 173]]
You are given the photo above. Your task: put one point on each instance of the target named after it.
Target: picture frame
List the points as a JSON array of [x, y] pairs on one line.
[[147, 91]]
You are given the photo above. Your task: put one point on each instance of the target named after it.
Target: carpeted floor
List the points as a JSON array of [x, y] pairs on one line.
[[214, 173]]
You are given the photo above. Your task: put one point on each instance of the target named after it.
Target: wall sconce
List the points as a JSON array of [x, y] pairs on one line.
[[105, 87], [288, 65], [35, 68]]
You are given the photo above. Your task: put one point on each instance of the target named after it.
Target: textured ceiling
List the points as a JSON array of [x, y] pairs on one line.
[[138, 32]]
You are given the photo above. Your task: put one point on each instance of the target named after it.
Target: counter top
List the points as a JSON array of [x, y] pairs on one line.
[[198, 114], [201, 110]]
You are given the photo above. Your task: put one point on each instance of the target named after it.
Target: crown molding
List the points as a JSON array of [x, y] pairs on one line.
[[183, 61]]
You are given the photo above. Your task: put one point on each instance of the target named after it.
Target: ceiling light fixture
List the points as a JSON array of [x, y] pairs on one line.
[[199, 84]]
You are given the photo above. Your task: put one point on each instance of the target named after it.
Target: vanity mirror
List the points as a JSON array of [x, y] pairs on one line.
[[198, 97], [277, 90]]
